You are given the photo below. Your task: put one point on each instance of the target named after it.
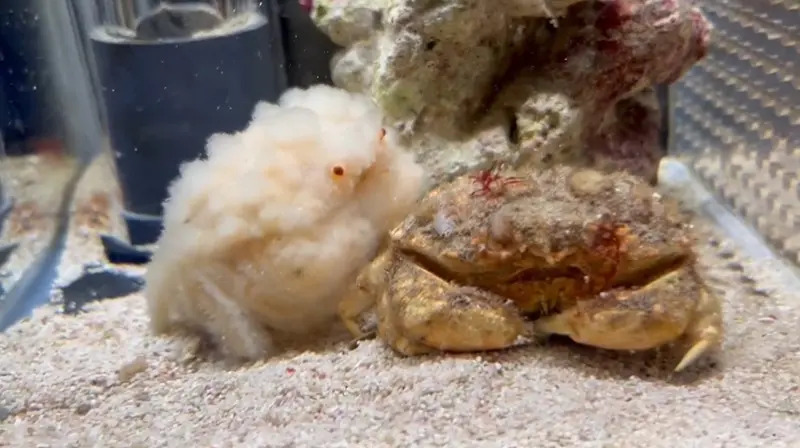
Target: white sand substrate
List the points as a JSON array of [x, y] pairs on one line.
[[36, 184], [101, 380]]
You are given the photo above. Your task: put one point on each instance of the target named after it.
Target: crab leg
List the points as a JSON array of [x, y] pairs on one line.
[[361, 298], [645, 318]]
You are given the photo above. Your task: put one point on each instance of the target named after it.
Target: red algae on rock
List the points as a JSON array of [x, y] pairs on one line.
[[617, 51], [568, 82]]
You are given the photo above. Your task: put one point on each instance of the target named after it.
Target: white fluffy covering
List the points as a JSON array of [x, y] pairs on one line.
[[264, 233]]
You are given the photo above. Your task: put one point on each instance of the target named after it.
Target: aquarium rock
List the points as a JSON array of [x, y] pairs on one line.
[[567, 81], [348, 22]]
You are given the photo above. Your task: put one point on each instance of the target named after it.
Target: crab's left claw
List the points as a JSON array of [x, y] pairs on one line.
[[421, 313]]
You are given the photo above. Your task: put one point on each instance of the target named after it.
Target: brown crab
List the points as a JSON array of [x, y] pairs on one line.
[[601, 258]]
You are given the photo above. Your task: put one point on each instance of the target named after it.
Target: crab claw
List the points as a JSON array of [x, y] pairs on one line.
[[673, 308], [693, 354], [705, 332]]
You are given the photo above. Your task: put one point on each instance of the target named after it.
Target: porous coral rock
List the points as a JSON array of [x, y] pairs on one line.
[[536, 8], [354, 25], [439, 60], [354, 68], [446, 157], [567, 80], [630, 138], [589, 95], [349, 21]]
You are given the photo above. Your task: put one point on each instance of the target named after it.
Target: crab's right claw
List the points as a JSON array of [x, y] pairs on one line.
[[705, 332], [694, 353], [673, 308]]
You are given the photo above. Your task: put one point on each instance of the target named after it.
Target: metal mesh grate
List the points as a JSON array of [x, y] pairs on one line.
[[737, 116]]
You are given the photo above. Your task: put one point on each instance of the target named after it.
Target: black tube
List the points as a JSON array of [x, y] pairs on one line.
[[165, 98]]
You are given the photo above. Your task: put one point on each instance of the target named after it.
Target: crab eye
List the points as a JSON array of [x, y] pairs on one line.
[[382, 134], [338, 171]]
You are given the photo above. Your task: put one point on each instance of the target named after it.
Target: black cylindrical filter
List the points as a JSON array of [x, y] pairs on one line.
[[164, 97]]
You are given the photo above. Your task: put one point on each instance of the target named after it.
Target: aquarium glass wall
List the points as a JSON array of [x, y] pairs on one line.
[[51, 125], [737, 120]]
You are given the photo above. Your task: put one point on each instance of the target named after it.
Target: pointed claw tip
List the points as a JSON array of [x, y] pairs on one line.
[[693, 354]]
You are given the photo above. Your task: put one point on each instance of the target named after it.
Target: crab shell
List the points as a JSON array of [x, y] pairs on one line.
[[601, 258]]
